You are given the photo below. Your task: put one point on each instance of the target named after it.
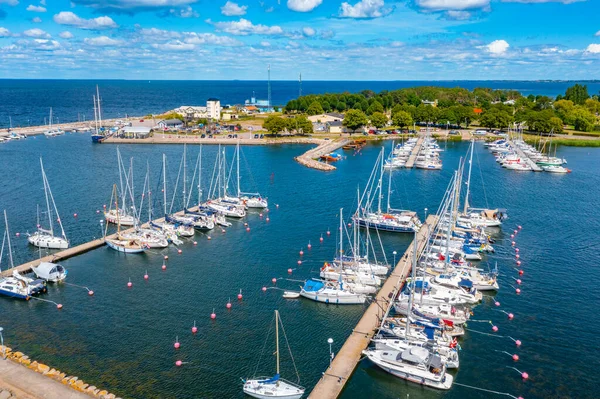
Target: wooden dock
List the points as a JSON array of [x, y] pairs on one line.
[[414, 153], [335, 377], [310, 157]]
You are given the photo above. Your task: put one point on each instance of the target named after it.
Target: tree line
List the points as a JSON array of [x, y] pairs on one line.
[[494, 109]]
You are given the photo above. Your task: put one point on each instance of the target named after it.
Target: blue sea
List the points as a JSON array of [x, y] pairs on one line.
[[28, 102], [121, 339]]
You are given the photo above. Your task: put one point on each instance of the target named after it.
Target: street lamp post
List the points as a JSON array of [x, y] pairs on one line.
[[395, 253], [426, 214], [330, 342]]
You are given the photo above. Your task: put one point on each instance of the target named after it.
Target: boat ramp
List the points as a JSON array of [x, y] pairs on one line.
[[335, 377]]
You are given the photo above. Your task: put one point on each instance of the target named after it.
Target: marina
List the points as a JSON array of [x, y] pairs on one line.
[[101, 271]]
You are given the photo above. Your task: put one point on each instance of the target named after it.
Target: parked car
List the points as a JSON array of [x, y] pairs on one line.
[[454, 132], [480, 132], [256, 136]]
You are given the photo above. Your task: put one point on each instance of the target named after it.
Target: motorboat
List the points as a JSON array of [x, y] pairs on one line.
[[52, 272]]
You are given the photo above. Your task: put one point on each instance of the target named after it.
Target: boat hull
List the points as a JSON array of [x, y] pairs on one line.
[[50, 243], [385, 227], [121, 248], [334, 299]]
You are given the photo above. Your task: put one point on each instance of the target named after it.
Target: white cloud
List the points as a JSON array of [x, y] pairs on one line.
[[265, 43], [542, 1], [593, 48], [210, 39], [365, 9], [44, 44], [303, 5], [33, 8], [597, 33], [36, 32], [36, 20], [66, 35], [497, 47], [233, 9], [396, 44], [456, 15], [187, 12], [159, 33], [308, 31], [327, 34], [10, 2], [174, 46], [243, 27], [4, 32], [102, 41], [444, 5], [71, 19]]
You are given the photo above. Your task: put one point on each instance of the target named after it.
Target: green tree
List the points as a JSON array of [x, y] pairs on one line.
[[593, 105], [375, 107], [495, 118], [583, 119], [402, 119], [315, 108], [564, 109], [300, 125], [556, 124], [354, 119], [464, 114], [274, 124], [379, 119], [427, 113], [577, 93]]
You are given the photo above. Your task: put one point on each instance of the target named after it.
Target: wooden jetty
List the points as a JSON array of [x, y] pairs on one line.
[[309, 158], [414, 153], [335, 377]]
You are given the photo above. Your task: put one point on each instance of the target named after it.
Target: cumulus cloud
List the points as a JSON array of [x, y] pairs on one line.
[[185, 12], [36, 32], [497, 47], [44, 44], [36, 20], [244, 27], [4, 32], [71, 19], [365, 9], [174, 46], [308, 31], [159, 33], [593, 48], [265, 43], [210, 39], [597, 33], [10, 2], [33, 8], [233, 9], [303, 5], [102, 41], [66, 35]]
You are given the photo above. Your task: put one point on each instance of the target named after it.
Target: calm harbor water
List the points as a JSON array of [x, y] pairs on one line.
[[122, 339], [28, 101]]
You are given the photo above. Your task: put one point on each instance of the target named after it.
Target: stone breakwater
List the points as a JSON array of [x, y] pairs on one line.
[[310, 157], [22, 388]]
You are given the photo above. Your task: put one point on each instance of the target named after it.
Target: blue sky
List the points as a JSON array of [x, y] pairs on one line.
[[322, 39]]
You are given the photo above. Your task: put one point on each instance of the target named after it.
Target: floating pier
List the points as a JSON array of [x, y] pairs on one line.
[[524, 157], [414, 153], [335, 377]]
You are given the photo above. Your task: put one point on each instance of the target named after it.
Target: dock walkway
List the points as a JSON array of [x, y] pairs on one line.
[[310, 157], [335, 377], [535, 167], [414, 153]]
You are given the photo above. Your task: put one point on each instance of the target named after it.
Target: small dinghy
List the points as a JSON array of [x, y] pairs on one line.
[[291, 295], [52, 272]]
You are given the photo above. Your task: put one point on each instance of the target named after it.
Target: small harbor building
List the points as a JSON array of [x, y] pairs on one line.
[[170, 124]]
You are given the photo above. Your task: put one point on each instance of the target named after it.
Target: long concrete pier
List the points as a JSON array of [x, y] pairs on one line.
[[336, 376], [414, 153]]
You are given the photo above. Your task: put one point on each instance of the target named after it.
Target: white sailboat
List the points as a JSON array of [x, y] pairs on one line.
[[52, 132], [120, 215], [250, 200], [45, 238], [221, 202], [273, 387], [120, 243]]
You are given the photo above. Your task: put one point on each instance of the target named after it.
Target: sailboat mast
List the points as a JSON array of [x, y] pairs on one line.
[[184, 174], [414, 282], [341, 236], [47, 199], [50, 128], [380, 182], [165, 184], [149, 192], [450, 217], [239, 192], [200, 176], [8, 235], [390, 182], [117, 205], [277, 338], [469, 178], [99, 112], [95, 114]]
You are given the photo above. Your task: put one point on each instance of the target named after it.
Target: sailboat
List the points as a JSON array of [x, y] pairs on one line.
[[392, 220], [98, 136], [251, 200], [52, 132], [222, 203], [120, 243], [16, 286], [11, 134], [120, 214], [46, 238], [274, 387]]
